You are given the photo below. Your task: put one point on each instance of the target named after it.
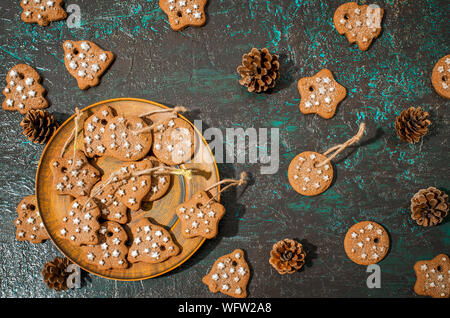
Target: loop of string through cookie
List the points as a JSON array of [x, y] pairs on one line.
[[231, 183], [173, 111]]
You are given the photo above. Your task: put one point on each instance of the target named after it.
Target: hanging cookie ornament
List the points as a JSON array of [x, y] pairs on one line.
[[311, 173], [200, 216]]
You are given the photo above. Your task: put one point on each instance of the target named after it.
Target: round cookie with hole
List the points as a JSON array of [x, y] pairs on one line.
[[441, 77]]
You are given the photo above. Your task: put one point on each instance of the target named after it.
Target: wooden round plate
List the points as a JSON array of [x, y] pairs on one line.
[[52, 206]]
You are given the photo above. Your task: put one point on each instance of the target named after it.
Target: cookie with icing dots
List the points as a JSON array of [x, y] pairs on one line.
[[440, 77], [160, 182], [308, 179], [29, 226], [360, 24], [151, 243], [111, 250], [366, 243], [111, 207], [23, 90], [123, 139], [80, 223], [320, 94], [199, 217], [229, 275], [94, 131], [42, 11], [86, 62], [433, 277], [183, 13], [73, 175], [173, 141]]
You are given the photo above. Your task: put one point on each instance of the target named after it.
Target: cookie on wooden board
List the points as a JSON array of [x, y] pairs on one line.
[[23, 90], [160, 182], [440, 77], [29, 226], [183, 13], [320, 94], [151, 243], [111, 207], [366, 243], [229, 275], [308, 179], [111, 250], [94, 131], [199, 217], [42, 11], [360, 24], [86, 62], [433, 277]]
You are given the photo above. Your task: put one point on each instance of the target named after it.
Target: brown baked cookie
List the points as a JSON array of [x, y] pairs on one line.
[[111, 250], [42, 11], [360, 24], [200, 218], [306, 178], [366, 243], [73, 175], [433, 277], [131, 189], [29, 226], [86, 62], [94, 131], [160, 182], [183, 13], [173, 141], [151, 243], [440, 77], [111, 207], [229, 275], [320, 94], [80, 223], [23, 90], [123, 140]]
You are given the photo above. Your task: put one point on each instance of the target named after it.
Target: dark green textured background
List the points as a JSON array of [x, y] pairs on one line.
[[196, 68]]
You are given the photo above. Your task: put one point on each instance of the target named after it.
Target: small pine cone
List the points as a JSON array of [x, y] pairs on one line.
[[287, 256], [259, 70], [429, 206], [412, 124], [55, 275], [38, 126]]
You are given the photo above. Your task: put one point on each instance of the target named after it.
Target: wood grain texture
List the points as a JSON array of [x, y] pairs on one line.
[[197, 68]]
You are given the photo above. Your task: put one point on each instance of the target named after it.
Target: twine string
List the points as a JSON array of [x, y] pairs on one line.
[[73, 136], [174, 111], [339, 148], [231, 183]]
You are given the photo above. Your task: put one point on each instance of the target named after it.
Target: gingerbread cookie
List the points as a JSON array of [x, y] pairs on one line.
[[42, 11], [111, 250], [80, 224], [441, 77], [308, 179], [360, 24], [124, 141], [86, 62], [29, 226], [74, 175], [433, 277], [229, 275], [111, 207], [320, 94], [151, 243], [94, 131], [366, 243], [199, 217], [160, 182], [183, 13], [23, 90], [173, 141]]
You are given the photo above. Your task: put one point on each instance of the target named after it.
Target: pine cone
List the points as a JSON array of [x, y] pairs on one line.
[[38, 126], [55, 275], [429, 206], [412, 124], [287, 256], [259, 70]]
